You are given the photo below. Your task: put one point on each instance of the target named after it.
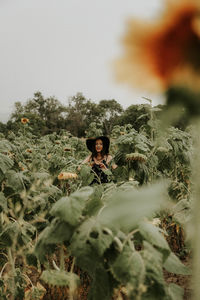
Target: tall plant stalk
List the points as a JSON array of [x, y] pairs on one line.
[[12, 264], [196, 214]]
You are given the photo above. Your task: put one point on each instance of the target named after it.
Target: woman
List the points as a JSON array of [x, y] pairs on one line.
[[100, 158]]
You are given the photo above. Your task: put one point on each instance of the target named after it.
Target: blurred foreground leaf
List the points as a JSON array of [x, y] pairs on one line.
[[126, 209], [129, 267], [175, 292], [69, 209], [174, 265]]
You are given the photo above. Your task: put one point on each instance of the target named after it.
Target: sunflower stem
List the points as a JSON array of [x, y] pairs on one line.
[[196, 214]]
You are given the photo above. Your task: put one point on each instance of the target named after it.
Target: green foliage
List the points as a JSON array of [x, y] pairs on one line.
[[152, 235], [173, 265], [5, 163], [91, 239], [136, 115], [94, 130], [45, 115], [81, 117], [128, 207], [140, 145], [9, 234], [57, 232], [175, 292], [107, 229], [15, 180], [86, 175], [3, 203], [60, 278], [69, 209], [101, 288], [133, 270], [153, 261], [109, 114]]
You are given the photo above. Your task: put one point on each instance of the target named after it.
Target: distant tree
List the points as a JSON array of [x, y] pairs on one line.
[[94, 129], [45, 115], [81, 112], [3, 128], [110, 111], [80, 115], [137, 115]]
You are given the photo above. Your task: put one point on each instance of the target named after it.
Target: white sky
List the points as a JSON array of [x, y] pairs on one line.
[[61, 47]]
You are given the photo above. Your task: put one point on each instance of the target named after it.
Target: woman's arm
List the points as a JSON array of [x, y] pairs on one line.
[[85, 161], [109, 159]]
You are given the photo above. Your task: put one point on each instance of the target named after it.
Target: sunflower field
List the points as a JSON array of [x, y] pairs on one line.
[[62, 238], [136, 237]]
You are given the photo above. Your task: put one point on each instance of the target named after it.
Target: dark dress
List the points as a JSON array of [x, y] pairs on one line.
[[99, 175]]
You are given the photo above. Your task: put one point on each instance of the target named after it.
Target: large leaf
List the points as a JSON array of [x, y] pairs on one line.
[[129, 267], [174, 265], [92, 233], [16, 180], [175, 292], [101, 287], [126, 209], [3, 203], [183, 204], [152, 235], [182, 211], [8, 235], [94, 203], [42, 176], [86, 175], [88, 244], [5, 146], [5, 163], [69, 209], [153, 260], [25, 234], [60, 278], [57, 232]]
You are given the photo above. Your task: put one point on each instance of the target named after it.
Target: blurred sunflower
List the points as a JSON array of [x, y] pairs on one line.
[[29, 151], [163, 53], [67, 175], [136, 156], [24, 120], [67, 148]]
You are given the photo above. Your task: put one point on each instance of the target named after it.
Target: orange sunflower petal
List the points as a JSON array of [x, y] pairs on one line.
[[157, 54]]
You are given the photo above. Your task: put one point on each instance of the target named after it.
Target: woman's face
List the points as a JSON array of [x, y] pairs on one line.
[[98, 146]]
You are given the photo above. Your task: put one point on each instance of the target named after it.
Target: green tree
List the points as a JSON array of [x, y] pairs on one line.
[[3, 128], [110, 110], [81, 113], [45, 115], [137, 115]]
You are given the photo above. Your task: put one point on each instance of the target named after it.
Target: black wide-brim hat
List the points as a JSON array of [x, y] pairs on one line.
[[91, 143]]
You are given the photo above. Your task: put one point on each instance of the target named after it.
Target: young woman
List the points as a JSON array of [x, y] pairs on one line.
[[99, 159]]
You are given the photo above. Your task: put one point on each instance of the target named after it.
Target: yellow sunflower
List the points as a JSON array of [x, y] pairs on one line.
[[67, 175], [164, 52], [24, 120]]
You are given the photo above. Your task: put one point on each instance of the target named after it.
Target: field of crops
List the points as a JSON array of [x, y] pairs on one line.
[[62, 238]]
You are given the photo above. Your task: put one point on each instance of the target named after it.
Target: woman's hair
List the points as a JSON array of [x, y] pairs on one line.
[[94, 152]]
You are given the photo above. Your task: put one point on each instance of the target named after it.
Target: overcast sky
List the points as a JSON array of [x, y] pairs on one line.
[[61, 47]]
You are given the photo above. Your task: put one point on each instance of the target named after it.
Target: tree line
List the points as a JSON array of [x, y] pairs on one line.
[[47, 115]]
